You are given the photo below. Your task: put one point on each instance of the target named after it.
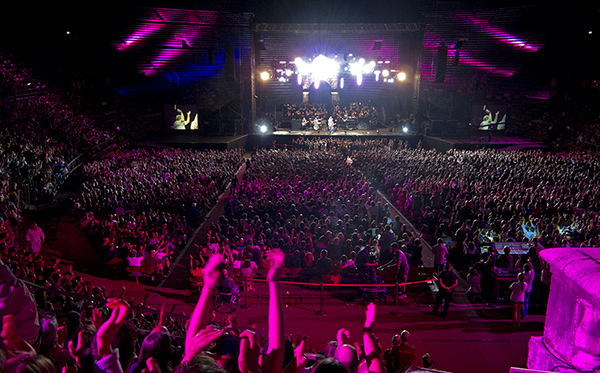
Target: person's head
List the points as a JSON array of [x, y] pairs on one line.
[[427, 361], [404, 336], [158, 346], [25, 363], [48, 333], [447, 266], [347, 355], [200, 364], [330, 365], [527, 267], [330, 348]]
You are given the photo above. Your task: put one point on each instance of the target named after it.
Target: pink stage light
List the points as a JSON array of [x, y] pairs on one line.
[[484, 27]]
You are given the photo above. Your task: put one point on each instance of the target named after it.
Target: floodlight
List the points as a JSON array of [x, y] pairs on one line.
[[401, 76], [265, 75]]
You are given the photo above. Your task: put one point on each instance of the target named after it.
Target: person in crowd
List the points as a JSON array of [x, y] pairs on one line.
[[474, 280], [447, 282], [505, 260], [529, 277], [402, 354], [35, 237], [439, 255], [517, 297]]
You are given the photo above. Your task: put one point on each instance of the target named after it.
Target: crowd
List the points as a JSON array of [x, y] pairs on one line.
[[15, 76], [39, 134], [320, 211], [144, 203], [48, 333]]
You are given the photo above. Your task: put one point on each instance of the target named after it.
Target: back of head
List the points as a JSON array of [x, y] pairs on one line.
[[404, 336], [158, 346], [330, 365], [346, 354], [26, 363], [200, 364]]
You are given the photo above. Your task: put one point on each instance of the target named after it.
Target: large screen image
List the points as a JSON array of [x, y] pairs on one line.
[[489, 117], [181, 117]]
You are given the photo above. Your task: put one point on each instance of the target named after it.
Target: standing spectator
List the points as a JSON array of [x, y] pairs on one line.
[[517, 297], [35, 237], [402, 354], [439, 255], [529, 277], [474, 280], [447, 282]]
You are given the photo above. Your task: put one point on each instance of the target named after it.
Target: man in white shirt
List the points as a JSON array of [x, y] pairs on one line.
[[35, 237]]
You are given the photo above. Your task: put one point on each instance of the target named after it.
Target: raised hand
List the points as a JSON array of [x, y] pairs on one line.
[[118, 317], [97, 318], [202, 341], [249, 352], [77, 348], [276, 269], [340, 336], [211, 273], [11, 338], [370, 316]]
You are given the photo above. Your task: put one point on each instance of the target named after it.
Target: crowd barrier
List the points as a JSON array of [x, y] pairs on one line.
[[322, 285]]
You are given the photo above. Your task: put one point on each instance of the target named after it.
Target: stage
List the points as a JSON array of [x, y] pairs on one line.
[[195, 140]]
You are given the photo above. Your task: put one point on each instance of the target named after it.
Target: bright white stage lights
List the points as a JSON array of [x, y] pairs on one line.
[[265, 75], [263, 129], [401, 76]]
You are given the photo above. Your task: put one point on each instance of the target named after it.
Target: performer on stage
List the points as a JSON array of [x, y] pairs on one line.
[[331, 124], [488, 121], [180, 121]]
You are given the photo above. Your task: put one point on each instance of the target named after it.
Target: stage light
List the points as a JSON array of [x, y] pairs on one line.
[[69, 32], [359, 79], [401, 76], [317, 83], [263, 129], [288, 72], [323, 68], [341, 83], [377, 72], [265, 75], [385, 73], [299, 80], [590, 32], [405, 129]]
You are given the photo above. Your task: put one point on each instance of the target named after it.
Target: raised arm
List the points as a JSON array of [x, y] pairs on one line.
[[273, 360], [374, 362], [106, 333], [201, 314]]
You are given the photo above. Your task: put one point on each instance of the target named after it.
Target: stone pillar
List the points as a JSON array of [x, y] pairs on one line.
[[572, 330]]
